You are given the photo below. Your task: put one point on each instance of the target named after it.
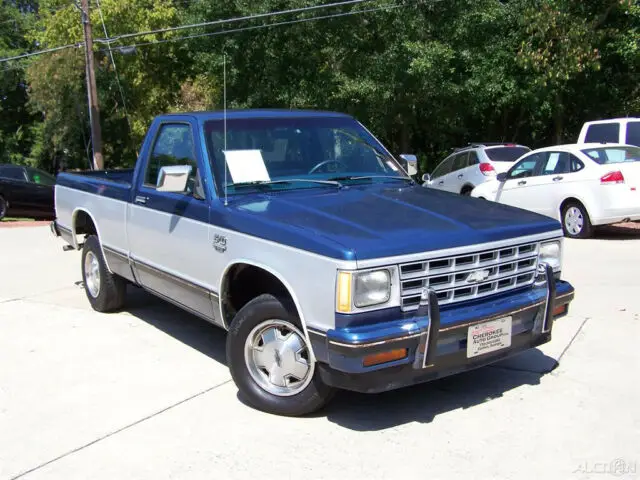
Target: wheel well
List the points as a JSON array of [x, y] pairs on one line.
[[83, 224], [244, 282], [467, 188], [571, 200]]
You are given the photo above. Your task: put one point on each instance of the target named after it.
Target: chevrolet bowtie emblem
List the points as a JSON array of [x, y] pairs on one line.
[[477, 276]]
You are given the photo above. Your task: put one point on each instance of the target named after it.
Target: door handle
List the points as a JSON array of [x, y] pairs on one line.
[[559, 177], [460, 176], [441, 182], [141, 199], [522, 182]]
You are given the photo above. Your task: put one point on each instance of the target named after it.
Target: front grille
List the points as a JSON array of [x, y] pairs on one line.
[[496, 271]]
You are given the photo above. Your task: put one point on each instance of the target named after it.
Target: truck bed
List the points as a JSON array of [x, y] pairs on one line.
[[103, 193], [123, 175]]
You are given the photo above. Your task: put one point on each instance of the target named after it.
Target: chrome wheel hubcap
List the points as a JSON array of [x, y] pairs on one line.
[[92, 274], [573, 220], [278, 358]]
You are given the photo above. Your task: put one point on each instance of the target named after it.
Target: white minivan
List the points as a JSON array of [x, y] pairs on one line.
[[613, 130]]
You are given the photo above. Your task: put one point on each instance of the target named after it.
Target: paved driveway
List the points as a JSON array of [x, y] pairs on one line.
[[146, 393]]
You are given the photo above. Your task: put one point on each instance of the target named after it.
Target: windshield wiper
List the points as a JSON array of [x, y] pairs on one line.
[[260, 183], [363, 177]]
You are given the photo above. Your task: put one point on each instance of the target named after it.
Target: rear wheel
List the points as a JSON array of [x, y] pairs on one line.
[[105, 291], [270, 360], [575, 221]]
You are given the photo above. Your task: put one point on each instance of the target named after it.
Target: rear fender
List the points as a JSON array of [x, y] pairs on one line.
[[76, 244]]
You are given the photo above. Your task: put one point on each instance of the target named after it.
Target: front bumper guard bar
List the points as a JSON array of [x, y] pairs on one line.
[[429, 307]]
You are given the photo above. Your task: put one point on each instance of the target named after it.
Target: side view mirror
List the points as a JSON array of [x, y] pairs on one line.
[[412, 163], [173, 178], [502, 176], [426, 177]]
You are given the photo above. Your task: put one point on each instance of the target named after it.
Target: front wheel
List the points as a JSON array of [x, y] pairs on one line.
[[3, 208], [105, 291], [270, 360], [575, 221]]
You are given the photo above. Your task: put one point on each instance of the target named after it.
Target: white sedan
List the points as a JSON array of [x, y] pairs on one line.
[[580, 185]]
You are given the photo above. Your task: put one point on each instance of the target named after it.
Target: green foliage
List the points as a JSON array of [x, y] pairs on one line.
[[425, 77]]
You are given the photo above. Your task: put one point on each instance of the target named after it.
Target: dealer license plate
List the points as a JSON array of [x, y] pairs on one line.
[[488, 337]]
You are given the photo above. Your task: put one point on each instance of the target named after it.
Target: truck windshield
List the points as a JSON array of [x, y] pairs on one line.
[[263, 152]]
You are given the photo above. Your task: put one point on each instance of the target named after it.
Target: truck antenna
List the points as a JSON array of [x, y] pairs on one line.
[[224, 114]]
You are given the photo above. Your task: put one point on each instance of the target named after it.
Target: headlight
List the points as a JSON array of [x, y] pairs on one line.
[[362, 289], [551, 253], [372, 288]]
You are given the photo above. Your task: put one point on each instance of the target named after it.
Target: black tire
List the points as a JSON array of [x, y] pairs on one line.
[[112, 288], [3, 207], [587, 229], [466, 191], [262, 309]]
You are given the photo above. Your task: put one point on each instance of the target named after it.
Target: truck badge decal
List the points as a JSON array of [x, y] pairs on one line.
[[478, 276], [220, 243]]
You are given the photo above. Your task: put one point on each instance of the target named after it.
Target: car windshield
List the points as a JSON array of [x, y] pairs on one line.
[[608, 155], [296, 152], [506, 154]]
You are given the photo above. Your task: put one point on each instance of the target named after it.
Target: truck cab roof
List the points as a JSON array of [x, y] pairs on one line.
[[256, 113]]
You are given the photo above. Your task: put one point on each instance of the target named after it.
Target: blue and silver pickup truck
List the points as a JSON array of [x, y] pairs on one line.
[[300, 234]]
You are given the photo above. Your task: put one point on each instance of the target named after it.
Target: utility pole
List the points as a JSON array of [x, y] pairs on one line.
[[94, 108]]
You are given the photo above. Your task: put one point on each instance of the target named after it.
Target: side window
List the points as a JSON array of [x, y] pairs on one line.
[[460, 161], [603, 132], [39, 177], [443, 168], [556, 163], [576, 164], [173, 146], [473, 159], [13, 173], [633, 134], [526, 167]]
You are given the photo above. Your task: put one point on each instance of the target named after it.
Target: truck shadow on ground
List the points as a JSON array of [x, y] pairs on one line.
[[198, 334], [363, 412], [423, 403]]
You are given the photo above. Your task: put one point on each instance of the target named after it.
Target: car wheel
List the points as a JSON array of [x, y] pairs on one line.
[[105, 291], [3, 208], [575, 221], [466, 191], [270, 360]]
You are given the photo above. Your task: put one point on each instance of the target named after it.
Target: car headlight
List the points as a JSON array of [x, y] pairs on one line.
[[551, 253], [363, 289]]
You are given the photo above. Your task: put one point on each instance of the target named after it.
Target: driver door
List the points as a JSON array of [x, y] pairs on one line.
[[439, 174], [168, 232], [519, 188]]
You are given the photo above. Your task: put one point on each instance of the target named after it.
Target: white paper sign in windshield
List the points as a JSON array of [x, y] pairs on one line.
[[246, 166]]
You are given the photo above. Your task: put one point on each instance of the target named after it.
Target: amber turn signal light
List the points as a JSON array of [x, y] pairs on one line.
[[559, 310], [385, 357]]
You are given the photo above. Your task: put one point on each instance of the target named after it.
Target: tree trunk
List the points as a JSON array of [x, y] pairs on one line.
[[558, 118]]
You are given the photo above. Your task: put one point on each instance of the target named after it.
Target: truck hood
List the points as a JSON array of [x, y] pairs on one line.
[[374, 221]]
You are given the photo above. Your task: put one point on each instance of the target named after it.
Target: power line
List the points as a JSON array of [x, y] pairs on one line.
[[256, 27], [182, 27], [40, 52], [216, 22], [115, 69], [233, 20]]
